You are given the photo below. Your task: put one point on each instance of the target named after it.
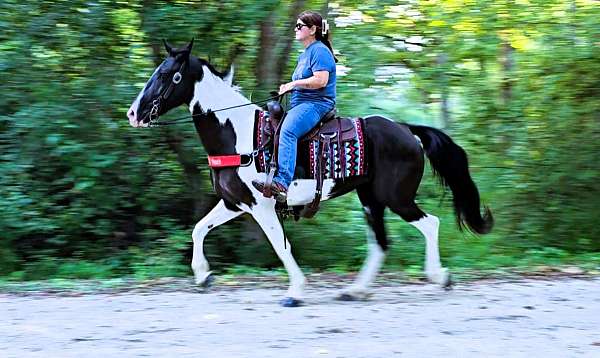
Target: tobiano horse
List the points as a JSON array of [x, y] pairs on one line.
[[224, 120]]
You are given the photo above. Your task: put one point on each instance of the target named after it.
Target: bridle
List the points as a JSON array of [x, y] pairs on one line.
[[164, 95]]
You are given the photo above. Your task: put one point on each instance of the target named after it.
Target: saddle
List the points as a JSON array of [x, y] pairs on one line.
[[330, 128]]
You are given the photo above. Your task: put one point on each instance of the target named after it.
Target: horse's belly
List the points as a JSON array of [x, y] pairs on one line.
[[302, 191]]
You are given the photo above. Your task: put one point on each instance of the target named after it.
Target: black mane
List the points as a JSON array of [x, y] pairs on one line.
[[212, 69]]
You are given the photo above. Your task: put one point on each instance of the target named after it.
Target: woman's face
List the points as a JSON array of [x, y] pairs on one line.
[[303, 31]]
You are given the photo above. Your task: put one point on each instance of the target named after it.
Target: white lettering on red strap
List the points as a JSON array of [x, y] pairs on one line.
[[223, 161]]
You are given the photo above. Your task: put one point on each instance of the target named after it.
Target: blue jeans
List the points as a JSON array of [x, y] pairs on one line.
[[299, 121]]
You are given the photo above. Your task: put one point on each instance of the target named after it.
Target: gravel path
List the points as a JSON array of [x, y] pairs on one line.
[[523, 318]]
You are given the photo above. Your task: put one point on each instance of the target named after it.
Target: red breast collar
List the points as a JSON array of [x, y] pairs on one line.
[[224, 161]]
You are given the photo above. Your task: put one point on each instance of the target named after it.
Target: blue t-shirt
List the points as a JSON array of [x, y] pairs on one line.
[[316, 57]]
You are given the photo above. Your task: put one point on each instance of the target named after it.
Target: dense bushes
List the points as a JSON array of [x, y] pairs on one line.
[[84, 195]]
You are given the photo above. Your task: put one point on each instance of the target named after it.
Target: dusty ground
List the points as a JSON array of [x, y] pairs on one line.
[[518, 318]]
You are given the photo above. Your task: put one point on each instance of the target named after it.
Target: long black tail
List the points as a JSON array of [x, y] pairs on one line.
[[450, 165]]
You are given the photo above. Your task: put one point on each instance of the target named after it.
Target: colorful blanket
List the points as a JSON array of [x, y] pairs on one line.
[[335, 167]]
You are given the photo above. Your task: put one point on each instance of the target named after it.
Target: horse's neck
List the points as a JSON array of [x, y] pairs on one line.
[[212, 93]]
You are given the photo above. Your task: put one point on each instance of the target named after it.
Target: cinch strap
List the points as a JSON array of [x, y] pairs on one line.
[[224, 161]]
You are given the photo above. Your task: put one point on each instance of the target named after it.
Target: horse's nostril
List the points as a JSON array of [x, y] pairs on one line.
[[130, 114]]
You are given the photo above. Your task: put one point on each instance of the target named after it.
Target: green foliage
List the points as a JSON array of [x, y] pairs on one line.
[[83, 195]]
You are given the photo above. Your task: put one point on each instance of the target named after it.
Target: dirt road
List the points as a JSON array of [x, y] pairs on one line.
[[523, 318]]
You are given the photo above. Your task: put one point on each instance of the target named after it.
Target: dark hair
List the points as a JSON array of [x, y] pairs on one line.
[[313, 18]]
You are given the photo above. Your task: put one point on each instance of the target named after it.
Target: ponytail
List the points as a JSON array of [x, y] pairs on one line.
[[325, 39]]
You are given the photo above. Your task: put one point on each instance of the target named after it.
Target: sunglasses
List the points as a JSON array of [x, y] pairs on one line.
[[299, 26]]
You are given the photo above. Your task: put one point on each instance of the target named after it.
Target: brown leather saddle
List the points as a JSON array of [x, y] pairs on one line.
[[331, 128]]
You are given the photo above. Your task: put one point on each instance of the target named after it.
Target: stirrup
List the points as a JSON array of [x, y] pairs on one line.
[[280, 196]]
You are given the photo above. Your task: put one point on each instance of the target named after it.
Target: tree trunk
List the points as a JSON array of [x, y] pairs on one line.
[[442, 61], [284, 56], [507, 68], [265, 61]]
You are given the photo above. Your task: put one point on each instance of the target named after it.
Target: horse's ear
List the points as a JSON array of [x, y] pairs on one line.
[[168, 47], [189, 46], [229, 75]]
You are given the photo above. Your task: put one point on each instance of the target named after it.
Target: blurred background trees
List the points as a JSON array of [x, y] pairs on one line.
[[516, 83]]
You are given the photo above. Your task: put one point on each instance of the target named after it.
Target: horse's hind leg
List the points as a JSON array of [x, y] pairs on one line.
[[377, 246], [428, 225]]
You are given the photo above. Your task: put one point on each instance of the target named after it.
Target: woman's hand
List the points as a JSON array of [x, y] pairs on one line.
[[318, 80], [286, 87]]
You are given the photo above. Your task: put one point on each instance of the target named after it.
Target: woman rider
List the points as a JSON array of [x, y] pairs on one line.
[[313, 84]]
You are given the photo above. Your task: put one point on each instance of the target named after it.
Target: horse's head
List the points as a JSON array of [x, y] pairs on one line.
[[171, 85]]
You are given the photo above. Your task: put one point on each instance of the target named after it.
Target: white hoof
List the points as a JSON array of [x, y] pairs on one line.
[[296, 289], [201, 277], [440, 277]]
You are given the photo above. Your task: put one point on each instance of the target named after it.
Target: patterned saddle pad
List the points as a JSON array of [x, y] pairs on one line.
[[334, 166]]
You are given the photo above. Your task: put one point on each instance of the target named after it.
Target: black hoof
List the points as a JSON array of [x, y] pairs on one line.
[[208, 281], [291, 302], [346, 297], [449, 284]]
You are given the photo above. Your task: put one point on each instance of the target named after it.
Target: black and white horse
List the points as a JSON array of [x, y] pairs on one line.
[[395, 168]]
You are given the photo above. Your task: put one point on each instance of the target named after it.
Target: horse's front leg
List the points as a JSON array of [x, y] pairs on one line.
[[265, 216], [217, 216]]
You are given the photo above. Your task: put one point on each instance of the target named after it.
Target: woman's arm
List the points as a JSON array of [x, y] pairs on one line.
[[318, 80]]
